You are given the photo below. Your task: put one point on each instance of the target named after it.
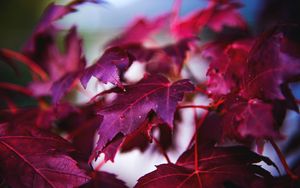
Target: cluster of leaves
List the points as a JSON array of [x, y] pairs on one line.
[[247, 82]]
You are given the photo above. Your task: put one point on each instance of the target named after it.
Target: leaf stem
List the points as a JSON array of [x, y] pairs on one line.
[[198, 125], [33, 66], [17, 88], [12, 107], [283, 161], [99, 166], [162, 150], [196, 142], [193, 106], [201, 90]]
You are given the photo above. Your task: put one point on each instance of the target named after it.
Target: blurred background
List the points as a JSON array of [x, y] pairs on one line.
[[98, 24]]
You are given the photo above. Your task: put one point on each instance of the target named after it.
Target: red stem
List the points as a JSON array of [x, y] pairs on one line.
[[84, 91], [201, 90], [14, 87], [10, 104], [283, 161], [99, 166], [34, 67], [194, 106], [200, 122], [162, 150], [196, 142]]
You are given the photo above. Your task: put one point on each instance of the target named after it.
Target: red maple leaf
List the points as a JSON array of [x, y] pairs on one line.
[[104, 179], [108, 67], [219, 167], [243, 119], [131, 106], [140, 30], [31, 157], [217, 15], [271, 64]]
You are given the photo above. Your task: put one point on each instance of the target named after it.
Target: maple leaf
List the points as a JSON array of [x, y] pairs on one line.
[[271, 64], [42, 50], [45, 29], [227, 65], [63, 69], [139, 30], [210, 132], [143, 136], [140, 138], [131, 106], [81, 126], [31, 157], [167, 59], [219, 167], [61, 86], [108, 68], [142, 141], [227, 15], [104, 179], [43, 118], [249, 118], [111, 149], [73, 62], [215, 16]]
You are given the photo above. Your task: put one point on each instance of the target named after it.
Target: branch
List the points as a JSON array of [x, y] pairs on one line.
[[162, 150], [283, 161]]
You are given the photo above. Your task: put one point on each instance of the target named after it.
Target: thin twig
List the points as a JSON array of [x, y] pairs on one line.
[[193, 106], [162, 150], [199, 124], [15, 87], [196, 142], [283, 161], [99, 166]]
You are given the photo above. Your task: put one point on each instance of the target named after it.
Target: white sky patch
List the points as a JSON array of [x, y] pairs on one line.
[[120, 3]]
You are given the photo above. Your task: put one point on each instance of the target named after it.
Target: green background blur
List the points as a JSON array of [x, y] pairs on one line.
[[17, 20]]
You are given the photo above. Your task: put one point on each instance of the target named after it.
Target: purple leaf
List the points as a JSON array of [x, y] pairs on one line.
[[141, 139], [63, 68], [105, 180], [131, 106], [61, 86], [33, 158], [219, 167], [81, 126], [45, 28], [108, 68], [140, 30], [217, 15], [112, 148], [249, 119], [270, 66], [167, 59], [227, 65]]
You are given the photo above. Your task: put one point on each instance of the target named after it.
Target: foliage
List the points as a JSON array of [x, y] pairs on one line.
[[248, 84]]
